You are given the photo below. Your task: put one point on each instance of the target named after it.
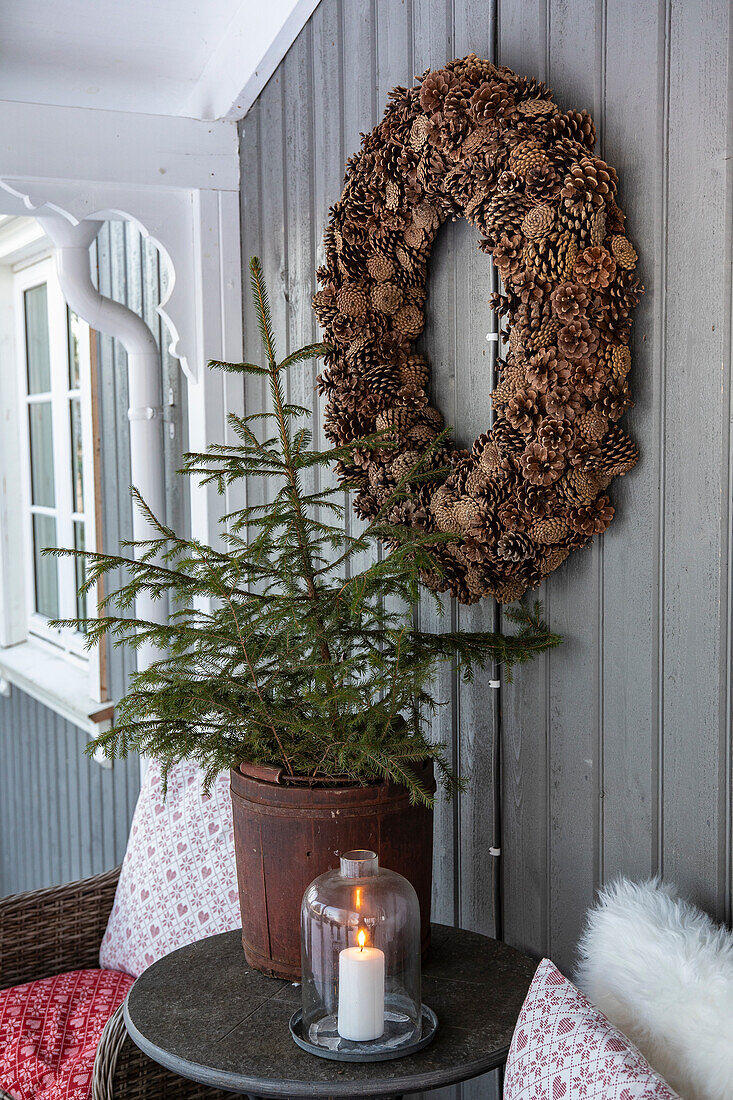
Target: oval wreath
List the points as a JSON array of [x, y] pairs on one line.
[[478, 141]]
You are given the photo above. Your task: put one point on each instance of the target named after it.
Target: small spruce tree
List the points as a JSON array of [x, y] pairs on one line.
[[278, 649]]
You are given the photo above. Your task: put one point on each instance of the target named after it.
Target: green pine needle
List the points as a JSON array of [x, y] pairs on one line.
[[294, 645]]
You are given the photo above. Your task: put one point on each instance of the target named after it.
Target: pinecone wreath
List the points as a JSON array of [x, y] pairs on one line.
[[476, 140]]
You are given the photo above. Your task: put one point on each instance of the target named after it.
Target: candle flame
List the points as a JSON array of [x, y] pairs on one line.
[[361, 938], [358, 897]]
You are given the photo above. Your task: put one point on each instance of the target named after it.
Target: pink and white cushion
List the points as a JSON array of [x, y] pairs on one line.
[[564, 1049], [50, 1029], [178, 882]]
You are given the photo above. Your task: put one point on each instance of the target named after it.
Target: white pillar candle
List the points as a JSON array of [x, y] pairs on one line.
[[361, 992]]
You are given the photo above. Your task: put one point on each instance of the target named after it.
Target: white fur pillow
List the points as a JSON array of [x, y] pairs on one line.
[[662, 971]]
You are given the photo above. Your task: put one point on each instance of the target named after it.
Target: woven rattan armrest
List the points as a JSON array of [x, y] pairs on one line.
[[123, 1072], [51, 931]]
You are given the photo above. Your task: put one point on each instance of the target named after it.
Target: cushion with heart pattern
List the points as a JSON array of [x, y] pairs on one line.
[[50, 1029], [564, 1049], [178, 882]]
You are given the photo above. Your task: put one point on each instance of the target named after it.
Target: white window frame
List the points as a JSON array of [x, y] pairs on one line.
[[69, 641], [47, 662]]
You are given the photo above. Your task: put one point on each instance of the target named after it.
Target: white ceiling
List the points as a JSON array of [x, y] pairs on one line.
[[167, 57]]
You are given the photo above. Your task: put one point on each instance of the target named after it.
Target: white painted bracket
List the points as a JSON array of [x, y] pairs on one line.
[[5, 687], [495, 684], [176, 179]]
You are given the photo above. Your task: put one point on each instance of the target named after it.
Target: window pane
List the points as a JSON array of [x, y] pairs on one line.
[[36, 340], [46, 572], [77, 465], [41, 429], [76, 332], [81, 573]]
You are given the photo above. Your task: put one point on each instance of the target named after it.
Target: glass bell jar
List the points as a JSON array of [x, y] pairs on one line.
[[360, 946]]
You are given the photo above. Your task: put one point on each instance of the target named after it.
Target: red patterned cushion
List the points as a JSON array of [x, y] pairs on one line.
[[564, 1049], [178, 882], [49, 1031]]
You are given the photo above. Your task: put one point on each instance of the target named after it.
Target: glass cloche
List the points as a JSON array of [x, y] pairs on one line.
[[360, 947]]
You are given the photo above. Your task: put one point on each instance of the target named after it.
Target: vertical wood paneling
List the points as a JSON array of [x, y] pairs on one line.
[[615, 747], [523, 46], [695, 477]]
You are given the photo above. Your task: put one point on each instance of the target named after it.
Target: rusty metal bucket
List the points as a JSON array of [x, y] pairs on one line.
[[286, 834]]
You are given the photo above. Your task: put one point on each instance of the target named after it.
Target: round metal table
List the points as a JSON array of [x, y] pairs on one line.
[[205, 1014]]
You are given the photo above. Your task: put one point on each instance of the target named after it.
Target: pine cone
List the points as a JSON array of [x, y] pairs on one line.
[[555, 434], [514, 547], [508, 439], [619, 453], [492, 101], [420, 131], [536, 108], [591, 519], [477, 481], [512, 516], [497, 216], [549, 531], [455, 103], [598, 227], [467, 513], [592, 425], [522, 411], [509, 591], [538, 221], [624, 252], [391, 347], [383, 379], [415, 371], [579, 486], [552, 559], [576, 125], [534, 500], [620, 360], [562, 403], [380, 267], [526, 155], [587, 184], [502, 394], [395, 420], [569, 300], [595, 267], [588, 378], [409, 321], [552, 256], [546, 370], [576, 340], [615, 400], [541, 181], [403, 463], [540, 465], [387, 298], [544, 334], [490, 455], [435, 88], [352, 300], [508, 256]]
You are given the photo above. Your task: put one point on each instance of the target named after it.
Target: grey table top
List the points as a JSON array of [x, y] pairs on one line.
[[205, 1014]]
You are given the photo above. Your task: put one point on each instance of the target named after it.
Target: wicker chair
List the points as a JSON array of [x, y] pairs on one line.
[[47, 932]]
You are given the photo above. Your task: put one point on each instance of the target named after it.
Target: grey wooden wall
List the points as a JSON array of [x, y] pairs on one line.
[[62, 816], [616, 748]]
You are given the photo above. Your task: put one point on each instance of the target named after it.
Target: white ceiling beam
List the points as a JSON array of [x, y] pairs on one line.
[[255, 43], [39, 141]]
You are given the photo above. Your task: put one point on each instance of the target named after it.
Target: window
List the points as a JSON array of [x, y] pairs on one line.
[[57, 449]]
